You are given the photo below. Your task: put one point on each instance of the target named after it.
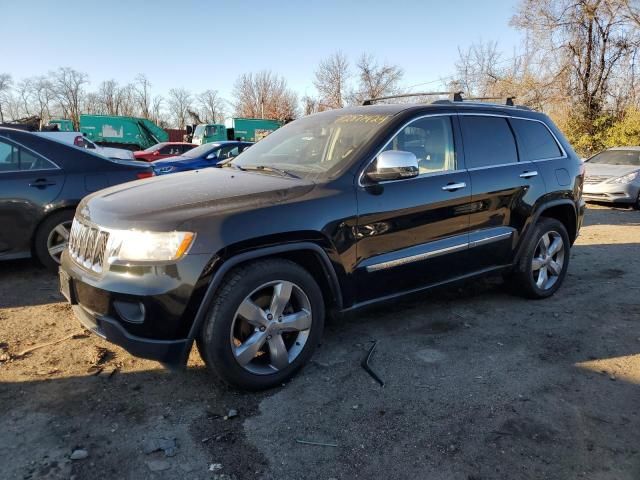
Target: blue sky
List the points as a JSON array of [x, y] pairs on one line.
[[206, 44]]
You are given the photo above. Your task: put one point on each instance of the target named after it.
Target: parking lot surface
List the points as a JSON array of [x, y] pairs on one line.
[[479, 384]]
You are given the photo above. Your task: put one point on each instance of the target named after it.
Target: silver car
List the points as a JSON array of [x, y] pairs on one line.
[[614, 176]]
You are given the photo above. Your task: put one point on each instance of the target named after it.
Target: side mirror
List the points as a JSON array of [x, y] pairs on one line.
[[394, 165], [212, 156], [156, 152]]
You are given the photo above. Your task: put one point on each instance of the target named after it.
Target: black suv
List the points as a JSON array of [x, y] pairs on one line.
[[332, 212]]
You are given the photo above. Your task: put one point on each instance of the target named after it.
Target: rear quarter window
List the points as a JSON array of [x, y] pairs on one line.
[[488, 141], [536, 140]]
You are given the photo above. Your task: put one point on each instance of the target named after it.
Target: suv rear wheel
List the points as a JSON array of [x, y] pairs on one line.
[[543, 265], [264, 325]]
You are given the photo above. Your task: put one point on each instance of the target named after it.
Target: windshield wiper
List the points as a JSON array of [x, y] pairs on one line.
[[266, 168]]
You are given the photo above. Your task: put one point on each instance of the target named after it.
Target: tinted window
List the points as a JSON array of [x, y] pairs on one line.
[[431, 141], [487, 141], [537, 142], [30, 161], [9, 159], [14, 158]]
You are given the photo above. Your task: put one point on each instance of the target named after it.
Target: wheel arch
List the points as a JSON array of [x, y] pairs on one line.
[[563, 210], [307, 254], [51, 211]]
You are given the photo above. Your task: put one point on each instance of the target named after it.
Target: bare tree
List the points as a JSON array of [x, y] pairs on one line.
[[310, 105], [5, 91], [142, 90], [68, 85], [109, 97], [23, 91], [589, 39], [42, 95], [375, 80], [211, 106], [156, 109], [180, 102], [128, 100], [331, 79], [264, 95]]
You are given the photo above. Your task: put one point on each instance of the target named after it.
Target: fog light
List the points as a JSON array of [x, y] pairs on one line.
[[132, 312]]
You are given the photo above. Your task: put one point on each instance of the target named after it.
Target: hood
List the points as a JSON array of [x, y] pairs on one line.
[[166, 202], [599, 169]]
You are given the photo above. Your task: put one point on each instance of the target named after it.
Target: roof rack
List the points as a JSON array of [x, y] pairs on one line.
[[505, 100], [454, 96]]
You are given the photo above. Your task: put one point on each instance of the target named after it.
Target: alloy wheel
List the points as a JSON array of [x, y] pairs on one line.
[[58, 240], [271, 327], [548, 260]]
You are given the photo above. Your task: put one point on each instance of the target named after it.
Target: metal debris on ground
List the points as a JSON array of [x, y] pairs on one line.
[[318, 444], [367, 368]]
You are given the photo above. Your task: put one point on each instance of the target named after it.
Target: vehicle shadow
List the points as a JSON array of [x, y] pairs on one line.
[[25, 283]]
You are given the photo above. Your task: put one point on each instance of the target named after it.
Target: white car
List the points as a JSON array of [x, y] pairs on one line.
[[79, 140]]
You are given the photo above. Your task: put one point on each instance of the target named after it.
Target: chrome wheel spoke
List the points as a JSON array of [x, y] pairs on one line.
[[537, 263], [62, 231], [544, 244], [280, 299], [555, 267], [295, 322], [56, 250], [278, 352], [253, 313], [542, 277], [250, 348], [556, 246]]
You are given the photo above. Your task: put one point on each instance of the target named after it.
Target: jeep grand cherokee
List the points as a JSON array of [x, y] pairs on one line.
[[330, 213]]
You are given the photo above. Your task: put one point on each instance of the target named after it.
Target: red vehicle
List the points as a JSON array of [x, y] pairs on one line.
[[163, 150]]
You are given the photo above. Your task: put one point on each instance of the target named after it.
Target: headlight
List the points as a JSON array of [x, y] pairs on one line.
[[137, 246], [628, 178]]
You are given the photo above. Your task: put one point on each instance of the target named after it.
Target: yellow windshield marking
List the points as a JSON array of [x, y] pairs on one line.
[[363, 118]]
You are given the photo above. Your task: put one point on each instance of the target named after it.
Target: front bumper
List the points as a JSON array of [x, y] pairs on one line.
[[148, 311], [611, 192]]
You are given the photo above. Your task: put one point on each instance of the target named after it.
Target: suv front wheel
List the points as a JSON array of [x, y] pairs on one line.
[[544, 262], [264, 324]]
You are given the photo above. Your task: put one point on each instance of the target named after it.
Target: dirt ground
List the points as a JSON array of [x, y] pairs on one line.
[[479, 384]]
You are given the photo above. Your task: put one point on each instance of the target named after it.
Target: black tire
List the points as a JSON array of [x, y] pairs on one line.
[[40, 244], [524, 275], [214, 340]]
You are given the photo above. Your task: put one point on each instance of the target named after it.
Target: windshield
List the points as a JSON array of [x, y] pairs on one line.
[[199, 130], [617, 157], [157, 146], [200, 151], [316, 146]]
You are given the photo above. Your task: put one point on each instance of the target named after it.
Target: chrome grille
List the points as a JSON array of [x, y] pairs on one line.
[[87, 246], [591, 179]]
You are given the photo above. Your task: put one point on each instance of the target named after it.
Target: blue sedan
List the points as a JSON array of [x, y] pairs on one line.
[[204, 156]]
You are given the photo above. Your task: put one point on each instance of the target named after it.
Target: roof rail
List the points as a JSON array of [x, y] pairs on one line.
[[454, 96], [505, 100]]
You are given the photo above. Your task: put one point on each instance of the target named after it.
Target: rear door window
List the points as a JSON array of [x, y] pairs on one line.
[[31, 161], [536, 140], [488, 141]]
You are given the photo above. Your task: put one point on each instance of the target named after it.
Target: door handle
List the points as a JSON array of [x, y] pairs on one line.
[[450, 187], [530, 174], [42, 183]]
